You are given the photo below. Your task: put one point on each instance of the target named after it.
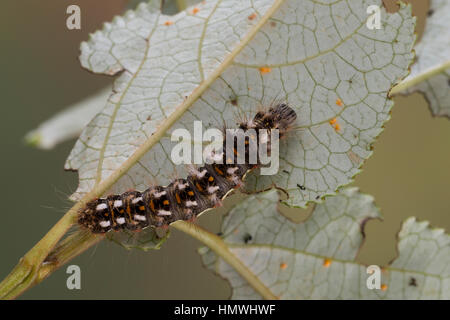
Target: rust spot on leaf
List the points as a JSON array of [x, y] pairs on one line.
[[264, 70], [252, 16]]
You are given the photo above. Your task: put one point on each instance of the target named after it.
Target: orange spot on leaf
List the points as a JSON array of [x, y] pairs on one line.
[[252, 16], [283, 266], [337, 127], [339, 102], [326, 263], [168, 23], [265, 70], [384, 287], [195, 10], [333, 121]]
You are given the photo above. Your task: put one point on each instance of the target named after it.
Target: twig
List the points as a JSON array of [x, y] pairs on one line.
[[216, 244], [422, 77]]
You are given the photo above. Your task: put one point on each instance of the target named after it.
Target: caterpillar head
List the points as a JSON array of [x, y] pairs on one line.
[[279, 117]]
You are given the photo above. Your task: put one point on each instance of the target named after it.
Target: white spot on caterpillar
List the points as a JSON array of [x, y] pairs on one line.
[[182, 186], [136, 200], [120, 220], [160, 194], [236, 180], [117, 203], [164, 213], [211, 190], [232, 170], [139, 217], [215, 157], [105, 224], [215, 199], [101, 206], [191, 203], [201, 174]]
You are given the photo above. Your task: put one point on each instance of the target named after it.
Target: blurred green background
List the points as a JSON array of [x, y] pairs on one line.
[[408, 174]]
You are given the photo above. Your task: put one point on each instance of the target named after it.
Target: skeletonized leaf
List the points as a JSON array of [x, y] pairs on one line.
[[432, 68], [69, 123], [315, 259], [318, 56]]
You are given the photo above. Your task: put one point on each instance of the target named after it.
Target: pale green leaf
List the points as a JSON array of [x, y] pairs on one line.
[[318, 52], [430, 74], [316, 259], [69, 123]]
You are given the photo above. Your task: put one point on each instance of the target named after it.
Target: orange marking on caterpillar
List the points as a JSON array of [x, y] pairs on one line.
[[166, 202], [129, 212], [142, 208], [178, 198], [152, 205], [210, 179]]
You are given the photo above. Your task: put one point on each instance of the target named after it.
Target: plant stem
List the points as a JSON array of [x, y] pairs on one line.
[[421, 77], [216, 244], [66, 250], [28, 271]]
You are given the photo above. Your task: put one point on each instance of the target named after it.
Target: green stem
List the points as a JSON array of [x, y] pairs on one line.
[[28, 271], [402, 86], [65, 251], [216, 244]]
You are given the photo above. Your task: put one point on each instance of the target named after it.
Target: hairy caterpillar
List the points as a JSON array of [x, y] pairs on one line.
[[183, 199]]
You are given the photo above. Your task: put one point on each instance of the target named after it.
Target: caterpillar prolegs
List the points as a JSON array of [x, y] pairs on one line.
[[184, 199]]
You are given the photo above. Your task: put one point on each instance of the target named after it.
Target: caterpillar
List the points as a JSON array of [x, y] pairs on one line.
[[184, 199]]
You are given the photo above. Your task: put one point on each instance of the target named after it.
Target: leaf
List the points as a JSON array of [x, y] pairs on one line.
[[431, 72], [337, 68], [69, 123], [316, 259], [146, 240]]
